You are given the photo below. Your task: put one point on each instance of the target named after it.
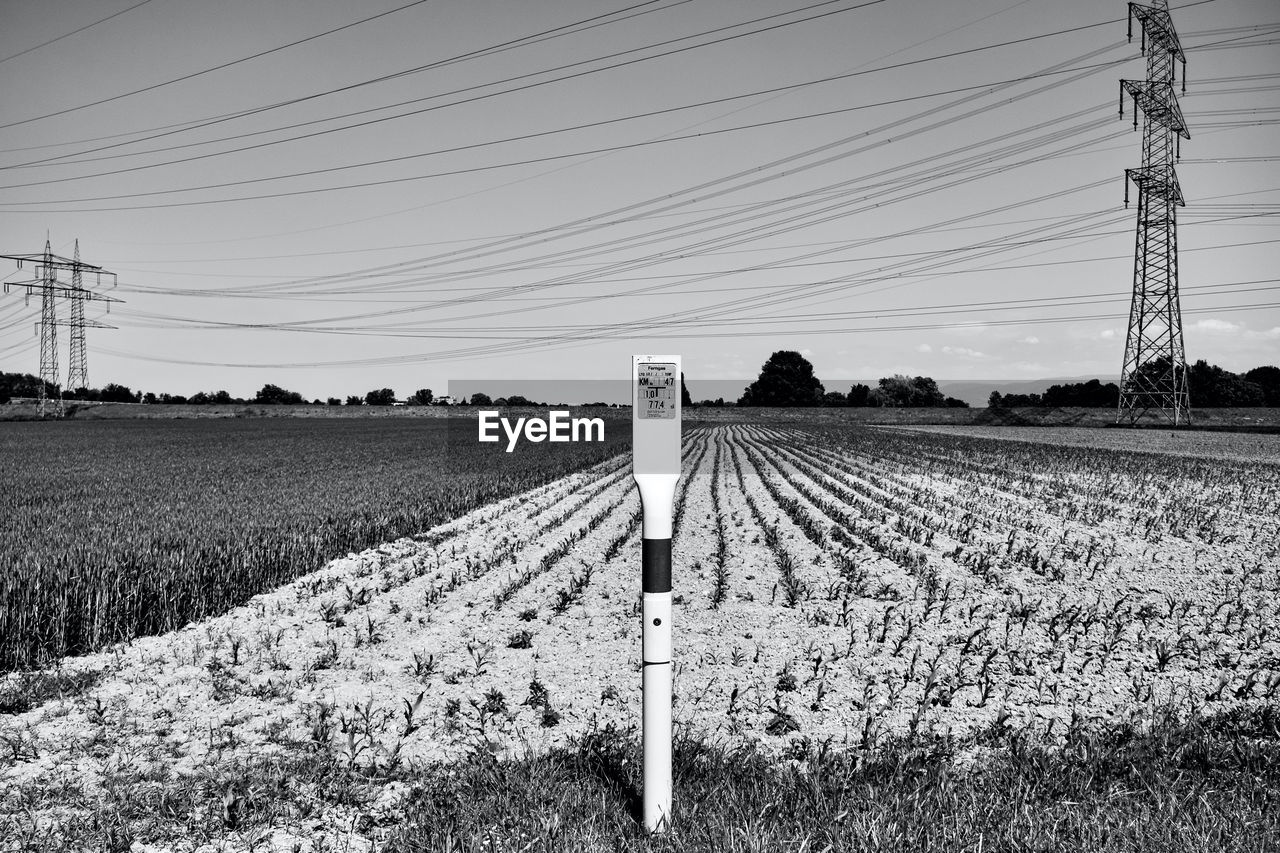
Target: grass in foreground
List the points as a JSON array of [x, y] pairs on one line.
[[1207, 784]]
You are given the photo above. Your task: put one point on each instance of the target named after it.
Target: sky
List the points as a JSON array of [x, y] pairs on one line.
[[336, 197]]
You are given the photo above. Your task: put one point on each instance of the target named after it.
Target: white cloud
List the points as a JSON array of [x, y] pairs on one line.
[[1030, 339], [1212, 324], [964, 352], [924, 348], [1271, 334], [1109, 334]]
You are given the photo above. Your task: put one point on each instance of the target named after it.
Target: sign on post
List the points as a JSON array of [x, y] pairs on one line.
[[655, 430]]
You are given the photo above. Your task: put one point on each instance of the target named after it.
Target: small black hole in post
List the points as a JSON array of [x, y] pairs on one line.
[[657, 621]]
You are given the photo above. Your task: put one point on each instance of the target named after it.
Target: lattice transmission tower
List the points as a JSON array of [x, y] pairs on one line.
[[1154, 374], [78, 370], [47, 283], [48, 336]]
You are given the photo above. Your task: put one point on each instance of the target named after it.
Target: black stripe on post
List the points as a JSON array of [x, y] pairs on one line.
[[655, 565]]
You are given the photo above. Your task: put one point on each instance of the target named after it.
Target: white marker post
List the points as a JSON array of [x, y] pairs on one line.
[[655, 432]]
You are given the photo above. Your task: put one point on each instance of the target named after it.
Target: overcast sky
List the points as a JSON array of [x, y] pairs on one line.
[[480, 189]]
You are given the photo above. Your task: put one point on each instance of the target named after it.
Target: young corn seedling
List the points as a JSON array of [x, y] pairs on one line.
[[409, 711]]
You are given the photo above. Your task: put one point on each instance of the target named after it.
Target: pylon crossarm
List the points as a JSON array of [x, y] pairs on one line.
[[57, 262], [1146, 96], [88, 324], [63, 289], [1162, 185], [1158, 31]]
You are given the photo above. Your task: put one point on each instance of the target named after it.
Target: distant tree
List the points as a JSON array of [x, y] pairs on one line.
[[170, 399], [995, 401], [1267, 378], [23, 385], [149, 397], [1210, 386], [894, 391], [354, 400], [685, 399], [500, 401], [907, 392], [333, 401], [199, 398], [316, 402], [786, 379], [859, 395], [927, 393], [1022, 400], [953, 403], [1088, 394], [481, 399], [380, 397], [834, 398], [221, 397], [422, 397], [519, 400], [275, 395], [113, 393]]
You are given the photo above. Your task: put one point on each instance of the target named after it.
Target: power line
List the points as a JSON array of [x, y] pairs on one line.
[[541, 134], [406, 72], [451, 355], [573, 28], [704, 191], [212, 69], [789, 87], [73, 32], [467, 332]]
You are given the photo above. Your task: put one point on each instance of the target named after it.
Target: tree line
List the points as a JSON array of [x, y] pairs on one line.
[[1209, 386], [25, 385], [787, 379]]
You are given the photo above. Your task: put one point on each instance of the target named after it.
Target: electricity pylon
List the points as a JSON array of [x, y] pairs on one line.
[[78, 370], [47, 284], [48, 337], [1154, 373]]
